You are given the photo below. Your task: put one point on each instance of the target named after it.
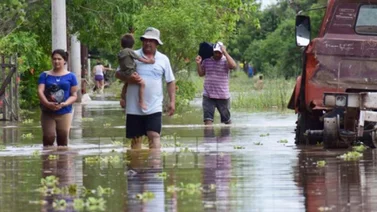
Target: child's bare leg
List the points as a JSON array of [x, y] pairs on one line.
[[141, 95]]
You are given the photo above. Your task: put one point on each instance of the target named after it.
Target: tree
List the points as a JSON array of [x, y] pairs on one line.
[[185, 24]]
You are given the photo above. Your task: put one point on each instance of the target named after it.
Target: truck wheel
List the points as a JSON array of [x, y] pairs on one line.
[[307, 121], [370, 139]]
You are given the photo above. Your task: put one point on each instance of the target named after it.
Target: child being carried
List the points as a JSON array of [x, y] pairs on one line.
[[127, 65]]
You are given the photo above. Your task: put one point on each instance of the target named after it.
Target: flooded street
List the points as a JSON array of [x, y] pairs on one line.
[[252, 165]]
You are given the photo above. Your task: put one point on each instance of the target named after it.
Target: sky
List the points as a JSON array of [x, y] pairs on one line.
[[267, 2]]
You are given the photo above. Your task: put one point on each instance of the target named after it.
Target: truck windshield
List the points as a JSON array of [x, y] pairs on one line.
[[367, 20]]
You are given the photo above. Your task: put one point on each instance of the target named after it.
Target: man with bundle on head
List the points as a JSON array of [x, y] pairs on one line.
[[216, 83]]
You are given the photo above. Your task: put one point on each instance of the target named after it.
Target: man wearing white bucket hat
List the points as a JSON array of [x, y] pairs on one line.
[[140, 122], [216, 83]]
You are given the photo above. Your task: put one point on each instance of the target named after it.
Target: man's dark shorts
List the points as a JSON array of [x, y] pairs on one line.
[[222, 105], [139, 125]]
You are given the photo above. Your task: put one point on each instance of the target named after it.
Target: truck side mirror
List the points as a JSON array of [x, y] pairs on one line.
[[302, 30]]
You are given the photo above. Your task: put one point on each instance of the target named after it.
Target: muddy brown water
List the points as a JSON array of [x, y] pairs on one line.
[[243, 167]]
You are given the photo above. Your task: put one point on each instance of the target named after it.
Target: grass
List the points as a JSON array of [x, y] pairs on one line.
[[244, 95], [275, 94]]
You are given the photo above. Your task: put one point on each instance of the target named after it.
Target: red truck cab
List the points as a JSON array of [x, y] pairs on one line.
[[340, 64]]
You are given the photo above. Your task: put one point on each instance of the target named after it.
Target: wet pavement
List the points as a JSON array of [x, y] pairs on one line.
[[252, 165]]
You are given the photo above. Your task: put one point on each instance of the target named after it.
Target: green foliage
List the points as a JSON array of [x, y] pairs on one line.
[[31, 61], [185, 93], [270, 46], [184, 24], [12, 15], [274, 95]]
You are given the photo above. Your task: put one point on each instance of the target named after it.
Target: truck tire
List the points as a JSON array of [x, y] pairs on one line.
[[307, 121]]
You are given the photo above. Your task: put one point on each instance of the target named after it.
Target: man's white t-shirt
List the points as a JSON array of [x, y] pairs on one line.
[[152, 74]]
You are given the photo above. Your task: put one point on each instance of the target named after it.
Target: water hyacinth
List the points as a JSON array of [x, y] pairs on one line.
[[27, 136], [145, 196], [351, 156], [359, 148], [162, 175], [36, 153], [28, 121], [283, 141], [321, 163], [238, 147]]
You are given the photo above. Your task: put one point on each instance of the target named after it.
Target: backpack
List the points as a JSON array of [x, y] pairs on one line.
[[205, 50]]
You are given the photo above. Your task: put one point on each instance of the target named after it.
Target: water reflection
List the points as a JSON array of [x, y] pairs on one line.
[[60, 164], [340, 185], [217, 172], [143, 167]]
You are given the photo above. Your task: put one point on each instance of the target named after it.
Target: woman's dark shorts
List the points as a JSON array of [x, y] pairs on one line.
[[139, 125], [222, 105], [98, 78]]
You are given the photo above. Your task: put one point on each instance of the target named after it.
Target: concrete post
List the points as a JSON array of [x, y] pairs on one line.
[[59, 26], [76, 62], [89, 71]]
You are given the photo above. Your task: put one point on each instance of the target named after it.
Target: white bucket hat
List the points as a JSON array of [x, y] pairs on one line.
[[152, 33]]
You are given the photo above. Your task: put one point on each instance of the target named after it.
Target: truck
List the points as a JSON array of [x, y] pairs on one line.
[[335, 95]]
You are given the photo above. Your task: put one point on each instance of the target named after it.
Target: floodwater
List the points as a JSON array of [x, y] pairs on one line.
[[252, 165]]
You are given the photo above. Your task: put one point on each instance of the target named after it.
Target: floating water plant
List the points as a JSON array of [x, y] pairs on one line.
[[93, 159], [191, 188], [321, 209], [145, 196], [238, 147], [50, 181], [162, 175], [258, 143], [60, 205], [351, 156], [36, 153], [50, 188], [27, 136], [359, 148], [185, 149], [28, 121], [87, 119], [78, 204], [104, 191], [105, 159], [70, 190], [110, 159], [264, 135], [283, 141], [53, 157], [321, 163], [172, 189], [94, 204]]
